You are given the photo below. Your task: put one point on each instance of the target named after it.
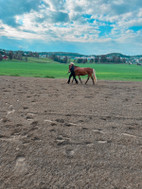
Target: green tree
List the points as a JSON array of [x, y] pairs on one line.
[[10, 55], [0, 57]]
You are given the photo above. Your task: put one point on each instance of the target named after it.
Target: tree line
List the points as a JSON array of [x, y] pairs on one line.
[[20, 55], [101, 59], [97, 59], [60, 59]]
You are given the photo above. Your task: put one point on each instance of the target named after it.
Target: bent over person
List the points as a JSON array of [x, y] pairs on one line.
[[72, 73]]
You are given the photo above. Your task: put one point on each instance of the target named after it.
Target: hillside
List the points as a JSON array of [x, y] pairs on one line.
[[73, 55], [69, 54]]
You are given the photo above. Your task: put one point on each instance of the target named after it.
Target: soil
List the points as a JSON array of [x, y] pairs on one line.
[[59, 135]]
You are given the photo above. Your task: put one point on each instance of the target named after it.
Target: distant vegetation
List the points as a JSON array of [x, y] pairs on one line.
[[66, 57], [47, 68]]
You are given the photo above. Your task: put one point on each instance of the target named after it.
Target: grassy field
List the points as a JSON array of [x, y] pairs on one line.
[[50, 69]]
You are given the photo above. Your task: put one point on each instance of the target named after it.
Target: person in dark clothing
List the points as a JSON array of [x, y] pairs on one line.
[[72, 74]]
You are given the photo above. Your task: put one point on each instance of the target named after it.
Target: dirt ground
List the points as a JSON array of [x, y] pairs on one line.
[[55, 135]]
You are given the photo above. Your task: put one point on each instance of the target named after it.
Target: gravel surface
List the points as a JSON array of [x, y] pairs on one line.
[[60, 136]]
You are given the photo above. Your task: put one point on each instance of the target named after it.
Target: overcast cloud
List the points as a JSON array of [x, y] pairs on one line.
[[90, 27]]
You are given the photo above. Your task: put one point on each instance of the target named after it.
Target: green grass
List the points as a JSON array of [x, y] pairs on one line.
[[122, 72], [47, 68], [33, 68]]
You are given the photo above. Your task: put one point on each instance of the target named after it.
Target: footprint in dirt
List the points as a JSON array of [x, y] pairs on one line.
[[11, 110], [34, 123], [33, 101], [25, 108], [20, 167], [6, 91], [61, 140], [28, 96], [5, 120], [131, 128], [69, 153], [30, 116], [60, 120], [84, 128]]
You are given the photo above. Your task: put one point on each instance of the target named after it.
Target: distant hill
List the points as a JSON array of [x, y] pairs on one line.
[[117, 54], [120, 55], [73, 55], [69, 54]]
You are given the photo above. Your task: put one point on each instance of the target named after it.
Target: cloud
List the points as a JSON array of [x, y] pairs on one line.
[[53, 17], [10, 8], [97, 21]]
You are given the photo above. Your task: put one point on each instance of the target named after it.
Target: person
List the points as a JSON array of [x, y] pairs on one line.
[[72, 73]]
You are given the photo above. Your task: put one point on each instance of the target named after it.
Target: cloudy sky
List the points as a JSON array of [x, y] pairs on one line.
[[82, 26]]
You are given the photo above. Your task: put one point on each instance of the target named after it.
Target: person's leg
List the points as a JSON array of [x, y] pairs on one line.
[[69, 78], [75, 79]]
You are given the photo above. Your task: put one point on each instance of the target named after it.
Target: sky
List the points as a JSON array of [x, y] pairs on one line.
[[81, 26]]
